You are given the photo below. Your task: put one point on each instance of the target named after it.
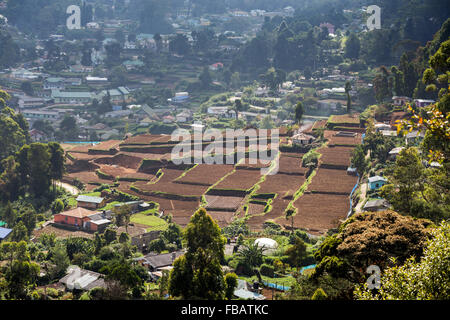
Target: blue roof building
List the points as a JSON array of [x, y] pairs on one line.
[[4, 233]]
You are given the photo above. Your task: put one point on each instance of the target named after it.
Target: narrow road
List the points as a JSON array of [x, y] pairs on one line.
[[362, 197], [73, 190]]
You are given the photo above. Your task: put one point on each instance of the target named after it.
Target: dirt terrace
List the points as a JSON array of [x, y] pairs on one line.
[[336, 156], [332, 180], [319, 212]]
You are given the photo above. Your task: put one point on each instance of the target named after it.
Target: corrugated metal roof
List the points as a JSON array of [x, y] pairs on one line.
[[4, 232], [97, 200]]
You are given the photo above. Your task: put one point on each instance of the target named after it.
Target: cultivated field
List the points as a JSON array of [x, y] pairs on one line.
[[141, 167]]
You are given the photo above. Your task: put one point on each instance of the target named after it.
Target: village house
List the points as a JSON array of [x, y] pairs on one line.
[[72, 96], [37, 136], [90, 202], [376, 182], [395, 152], [376, 205], [400, 100], [184, 116], [156, 262], [414, 136], [302, 139], [81, 279], [180, 97], [420, 103], [31, 102], [41, 115], [83, 219], [222, 112]]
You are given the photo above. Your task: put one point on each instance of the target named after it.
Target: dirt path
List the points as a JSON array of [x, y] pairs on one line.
[[68, 187], [358, 207]]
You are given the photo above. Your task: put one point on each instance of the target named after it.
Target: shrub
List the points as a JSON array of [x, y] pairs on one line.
[[319, 294], [267, 270], [57, 206]]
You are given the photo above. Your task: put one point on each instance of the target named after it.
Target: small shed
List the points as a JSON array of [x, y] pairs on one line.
[[376, 205], [90, 202], [376, 182], [4, 233]]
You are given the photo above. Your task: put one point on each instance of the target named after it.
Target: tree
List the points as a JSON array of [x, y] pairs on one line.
[[348, 88], [370, 238], [13, 135], [352, 47], [27, 88], [20, 232], [57, 206], [358, 160], [9, 214], [123, 215], [198, 273], [113, 52], [57, 161], [299, 111], [424, 279], [230, 283], [319, 294], [20, 272], [205, 77], [60, 259], [69, 128], [251, 256], [180, 45], [406, 181], [297, 252]]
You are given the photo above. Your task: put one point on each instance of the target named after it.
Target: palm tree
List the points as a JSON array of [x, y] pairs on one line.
[[251, 255]]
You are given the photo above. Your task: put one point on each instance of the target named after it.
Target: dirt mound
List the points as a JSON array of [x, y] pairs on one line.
[[122, 160]]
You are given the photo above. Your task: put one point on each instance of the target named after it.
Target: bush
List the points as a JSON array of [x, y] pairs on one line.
[[57, 206], [267, 270], [319, 294]]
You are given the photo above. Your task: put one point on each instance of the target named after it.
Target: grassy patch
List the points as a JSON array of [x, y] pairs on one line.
[[153, 222]]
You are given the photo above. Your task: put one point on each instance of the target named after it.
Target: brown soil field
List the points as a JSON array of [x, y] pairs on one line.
[[106, 145], [86, 156], [291, 164], [205, 174], [222, 218], [339, 156], [255, 209], [281, 183], [123, 160], [333, 139], [279, 205], [319, 212], [61, 233], [332, 180], [146, 139], [345, 118], [240, 180], [319, 124], [88, 177], [231, 203]]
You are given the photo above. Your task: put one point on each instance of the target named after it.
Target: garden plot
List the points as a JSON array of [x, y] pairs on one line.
[[222, 218], [240, 180], [277, 211], [291, 164], [221, 203], [281, 184], [319, 212], [123, 160], [335, 139], [336, 156], [146, 139], [332, 181], [204, 174], [89, 178]]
